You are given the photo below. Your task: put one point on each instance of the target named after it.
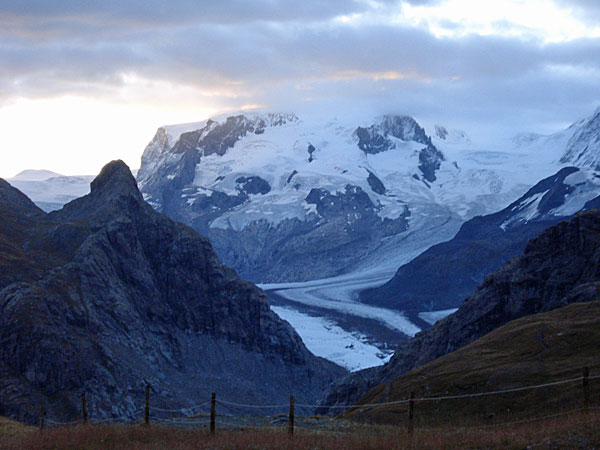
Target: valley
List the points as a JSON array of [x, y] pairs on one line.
[[357, 224], [270, 191]]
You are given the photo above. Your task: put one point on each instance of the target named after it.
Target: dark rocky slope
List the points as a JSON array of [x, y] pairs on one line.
[[442, 276], [106, 295], [559, 267]]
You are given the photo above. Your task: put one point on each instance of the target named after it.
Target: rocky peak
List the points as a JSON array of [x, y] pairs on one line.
[[376, 139], [169, 161], [115, 176], [405, 128], [126, 297], [113, 193]]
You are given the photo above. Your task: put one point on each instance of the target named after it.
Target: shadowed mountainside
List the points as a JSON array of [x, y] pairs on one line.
[[559, 267], [107, 295]]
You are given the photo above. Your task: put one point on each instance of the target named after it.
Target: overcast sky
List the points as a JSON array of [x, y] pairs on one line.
[[85, 82]]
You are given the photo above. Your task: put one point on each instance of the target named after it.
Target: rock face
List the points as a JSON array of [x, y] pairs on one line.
[[106, 295], [441, 277], [376, 139], [559, 267]]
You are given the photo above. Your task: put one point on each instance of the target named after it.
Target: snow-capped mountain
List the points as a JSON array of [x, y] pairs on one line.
[[287, 198], [284, 198], [446, 273], [290, 198], [50, 190], [450, 136], [583, 146]]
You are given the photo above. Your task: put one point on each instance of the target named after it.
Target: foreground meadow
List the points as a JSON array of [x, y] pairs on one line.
[[576, 430]]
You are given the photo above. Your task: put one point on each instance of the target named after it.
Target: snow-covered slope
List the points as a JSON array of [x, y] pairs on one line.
[[288, 198], [442, 276], [50, 190], [583, 146]]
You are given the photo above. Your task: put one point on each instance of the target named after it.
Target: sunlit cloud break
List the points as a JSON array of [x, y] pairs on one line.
[[480, 65]]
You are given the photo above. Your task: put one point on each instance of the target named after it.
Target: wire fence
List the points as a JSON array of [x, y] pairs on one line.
[[241, 416]]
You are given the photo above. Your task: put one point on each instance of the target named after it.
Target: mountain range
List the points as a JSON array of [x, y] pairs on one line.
[[107, 294], [50, 190], [289, 198], [284, 198]]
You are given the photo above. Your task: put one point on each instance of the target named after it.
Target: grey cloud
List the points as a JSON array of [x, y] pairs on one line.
[[272, 52], [262, 54], [258, 57], [45, 14], [526, 103], [586, 10]]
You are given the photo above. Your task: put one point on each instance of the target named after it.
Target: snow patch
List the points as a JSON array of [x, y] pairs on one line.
[[432, 317], [325, 339], [527, 209], [576, 178]]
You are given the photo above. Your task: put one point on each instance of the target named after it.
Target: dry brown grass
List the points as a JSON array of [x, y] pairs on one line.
[[9, 428], [576, 430]]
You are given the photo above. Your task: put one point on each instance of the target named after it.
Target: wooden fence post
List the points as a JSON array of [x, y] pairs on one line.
[[291, 417], [586, 389], [42, 417], [411, 413], [213, 401], [147, 406], [84, 413]]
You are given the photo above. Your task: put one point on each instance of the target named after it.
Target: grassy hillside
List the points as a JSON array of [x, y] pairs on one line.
[[533, 350]]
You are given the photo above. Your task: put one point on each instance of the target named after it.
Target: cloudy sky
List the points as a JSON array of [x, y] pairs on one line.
[[84, 82]]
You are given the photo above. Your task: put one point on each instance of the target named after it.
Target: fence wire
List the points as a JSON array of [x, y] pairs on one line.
[[194, 416]]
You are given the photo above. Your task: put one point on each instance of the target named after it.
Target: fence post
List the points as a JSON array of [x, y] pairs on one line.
[[42, 417], [84, 413], [586, 389], [147, 406], [411, 413], [291, 417], [213, 401]]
